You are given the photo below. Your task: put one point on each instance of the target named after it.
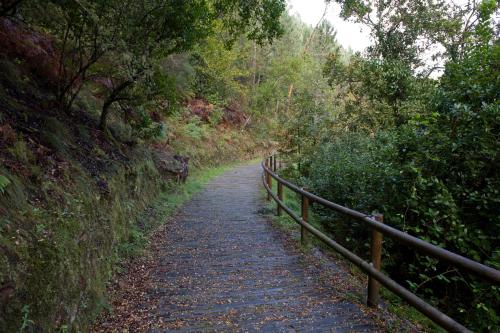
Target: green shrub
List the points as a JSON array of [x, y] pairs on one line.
[[424, 153], [4, 182], [216, 116], [21, 152], [425, 185], [195, 129], [55, 135]]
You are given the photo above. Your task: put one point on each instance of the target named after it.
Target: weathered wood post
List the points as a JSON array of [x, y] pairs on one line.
[[305, 216], [280, 196], [274, 166], [376, 254], [269, 179]]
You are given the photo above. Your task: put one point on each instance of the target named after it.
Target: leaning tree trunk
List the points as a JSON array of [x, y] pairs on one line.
[[114, 96]]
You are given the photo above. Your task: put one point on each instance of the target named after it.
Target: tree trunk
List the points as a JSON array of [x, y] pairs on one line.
[[114, 96], [103, 122]]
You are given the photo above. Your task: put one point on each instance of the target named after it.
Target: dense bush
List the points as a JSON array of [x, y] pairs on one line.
[[424, 153], [415, 178]]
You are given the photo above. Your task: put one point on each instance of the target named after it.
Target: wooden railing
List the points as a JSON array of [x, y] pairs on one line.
[[373, 268]]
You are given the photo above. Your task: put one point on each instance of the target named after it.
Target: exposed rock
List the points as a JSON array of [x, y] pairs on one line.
[[171, 166]]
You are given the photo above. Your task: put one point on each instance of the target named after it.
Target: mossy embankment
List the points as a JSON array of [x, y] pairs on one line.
[[75, 201]]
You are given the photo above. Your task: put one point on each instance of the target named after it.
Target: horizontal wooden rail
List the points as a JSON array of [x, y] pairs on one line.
[[431, 312]]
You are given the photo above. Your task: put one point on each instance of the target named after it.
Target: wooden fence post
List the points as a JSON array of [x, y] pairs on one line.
[[305, 216], [376, 254], [280, 196], [274, 166], [269, 180]]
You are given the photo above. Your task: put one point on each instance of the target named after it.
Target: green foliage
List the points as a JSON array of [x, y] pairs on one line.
[[260, 19], [21, 152], [72, 198], [55, 135], [409, 176], [398, 28], [178, 67], [122, 42], [195, 129], [375, 94], [422, 152], [4, 182], [26, 322], [216, 116], [147, 129], [218, 71]]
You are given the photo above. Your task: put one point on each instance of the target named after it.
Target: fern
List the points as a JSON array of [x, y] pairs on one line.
[[4, 182]]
